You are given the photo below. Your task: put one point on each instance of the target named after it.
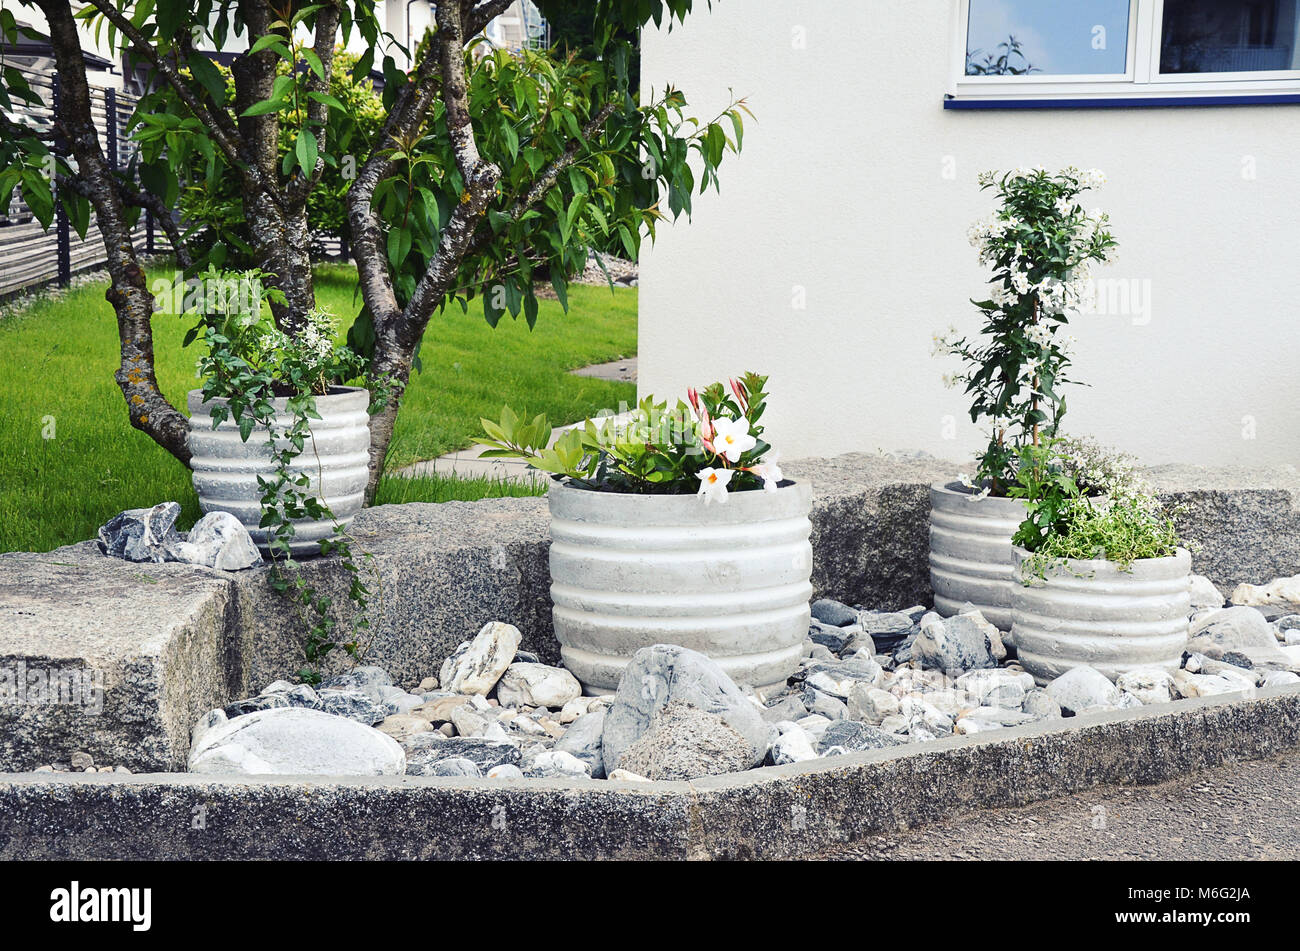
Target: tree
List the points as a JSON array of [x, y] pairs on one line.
[[486, 170]]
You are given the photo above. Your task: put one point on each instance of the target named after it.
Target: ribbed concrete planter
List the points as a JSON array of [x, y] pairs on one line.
[[225, 468], [729, 580], [1094, 613], [970, 551]]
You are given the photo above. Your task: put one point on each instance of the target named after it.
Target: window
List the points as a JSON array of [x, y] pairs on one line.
[[1124, 52]]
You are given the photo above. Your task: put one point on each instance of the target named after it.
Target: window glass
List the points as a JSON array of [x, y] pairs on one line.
[[1229, 36], [1033, 37]]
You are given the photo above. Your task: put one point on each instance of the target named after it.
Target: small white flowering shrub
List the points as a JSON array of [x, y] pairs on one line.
[[709, 444], [1041, 245]]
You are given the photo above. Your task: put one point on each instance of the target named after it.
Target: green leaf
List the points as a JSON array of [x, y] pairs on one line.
[[306, 149]]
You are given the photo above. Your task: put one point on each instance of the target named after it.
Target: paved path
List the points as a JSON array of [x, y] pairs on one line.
[[1242, 811]]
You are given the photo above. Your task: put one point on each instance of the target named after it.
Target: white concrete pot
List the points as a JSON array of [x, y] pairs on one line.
[[1094, 613], [970, 551], [335, 458], [730, 580]]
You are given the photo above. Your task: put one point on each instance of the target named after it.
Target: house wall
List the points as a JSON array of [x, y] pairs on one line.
[[838, 245]]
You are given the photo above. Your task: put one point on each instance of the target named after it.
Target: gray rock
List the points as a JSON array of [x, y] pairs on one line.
[[1260, 658], [537, 685], [526, 657], [219, 540], [583, 740], [1223, 630], [786, 708], [832, 708], [871, 704], [477, 665], [365, 678], [402, 702], [426, 749], [142, 535], [838, 677], [685, 742], [833, 638], [296, 742], [1082, 687], [665, 673], [854, 737], [269, 701], [833, 613], [956, 644], [454, 766], [352, 704]]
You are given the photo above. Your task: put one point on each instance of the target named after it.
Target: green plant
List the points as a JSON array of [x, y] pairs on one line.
[[707, 444], [1041, 245], [1002, 61], [250, 363], [1121, 531]]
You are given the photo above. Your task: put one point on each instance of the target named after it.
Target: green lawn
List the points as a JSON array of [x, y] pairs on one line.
[[69, 459]]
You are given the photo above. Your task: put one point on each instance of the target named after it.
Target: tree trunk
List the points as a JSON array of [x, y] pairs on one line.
[[149, 410]]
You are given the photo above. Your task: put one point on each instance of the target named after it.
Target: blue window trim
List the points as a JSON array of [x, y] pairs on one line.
[[1257, 99]]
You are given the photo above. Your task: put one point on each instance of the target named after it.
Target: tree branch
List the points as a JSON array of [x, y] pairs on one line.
[[225, 134]]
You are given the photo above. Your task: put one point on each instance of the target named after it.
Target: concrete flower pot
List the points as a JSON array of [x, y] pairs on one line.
[[970, 551], [335, 458], [730, 580], [1094, 613]]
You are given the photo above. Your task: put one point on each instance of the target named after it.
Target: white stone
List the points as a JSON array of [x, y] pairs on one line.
[[505, 771], [1148, 684], [794, 746], [295, 741], [537, 685], [627, 776], [999, 687], [219, 540], [1277, 591], [1280, 678], [1203, 685], [477, 665], [557, 763], [1204, 593], [574, 709], [1082, 687]]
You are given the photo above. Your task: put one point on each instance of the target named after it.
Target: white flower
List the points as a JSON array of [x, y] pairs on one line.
[[769, 471], [1092, 178], [1040, 335], [731, 438], [1020, 281], [713, 484]]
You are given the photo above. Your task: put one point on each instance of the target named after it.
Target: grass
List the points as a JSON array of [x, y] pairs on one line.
[[69, 460]]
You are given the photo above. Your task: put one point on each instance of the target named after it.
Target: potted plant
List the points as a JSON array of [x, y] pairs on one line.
[[279, 441], [1102, 583], [1041, 245], [676, 527], [308, 463]]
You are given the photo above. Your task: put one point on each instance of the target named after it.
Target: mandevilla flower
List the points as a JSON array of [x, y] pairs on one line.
[[769, 471], [713, 484], [731, 438]]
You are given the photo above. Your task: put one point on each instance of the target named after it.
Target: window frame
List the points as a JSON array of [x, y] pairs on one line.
[[1141, 84]]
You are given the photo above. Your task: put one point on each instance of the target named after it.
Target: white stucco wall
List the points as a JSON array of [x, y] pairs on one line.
[[841, 191]]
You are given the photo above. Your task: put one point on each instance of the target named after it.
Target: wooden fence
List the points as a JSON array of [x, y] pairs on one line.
[[30, 255]]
